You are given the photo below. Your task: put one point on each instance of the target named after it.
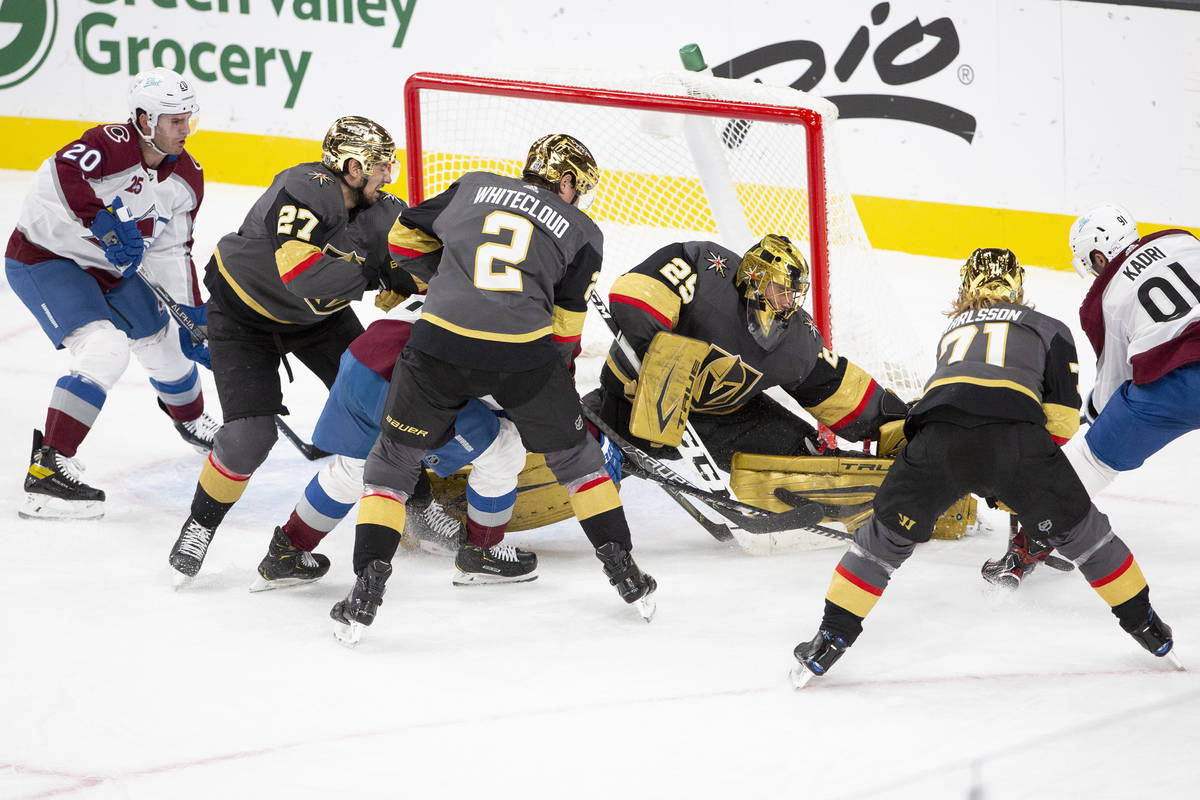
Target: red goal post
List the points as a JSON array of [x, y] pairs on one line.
[[683, 156]]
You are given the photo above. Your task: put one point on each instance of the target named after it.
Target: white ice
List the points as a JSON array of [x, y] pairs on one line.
[[112, 685]]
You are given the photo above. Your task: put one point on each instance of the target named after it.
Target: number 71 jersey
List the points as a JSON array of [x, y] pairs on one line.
[[1006, 362], [1142, 314]]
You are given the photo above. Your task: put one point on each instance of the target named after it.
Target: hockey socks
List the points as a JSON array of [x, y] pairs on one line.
[[182, 399], [315, 515], [380, 524], [598, 509], [216, 492], [74, 405], [488, 517]]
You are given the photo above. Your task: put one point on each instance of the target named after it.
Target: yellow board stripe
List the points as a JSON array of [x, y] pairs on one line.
[[1128, 582], [242, 294], [911, 226], [491, 337], [842, 592], [595, 498], [380, 509], [221, 486], [986, 383]]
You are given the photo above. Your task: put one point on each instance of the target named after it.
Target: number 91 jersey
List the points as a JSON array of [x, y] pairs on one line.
[[1142, 311], [1005, 362]]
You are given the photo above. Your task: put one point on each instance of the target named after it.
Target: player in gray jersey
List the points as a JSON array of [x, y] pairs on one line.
[[313, 242], [1002, 399], [509, 263]]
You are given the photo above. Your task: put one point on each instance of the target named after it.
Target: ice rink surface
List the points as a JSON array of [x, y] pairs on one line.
[[113, 685]]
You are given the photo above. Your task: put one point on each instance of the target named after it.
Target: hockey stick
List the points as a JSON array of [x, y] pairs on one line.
[[309, 451], [750, 519]]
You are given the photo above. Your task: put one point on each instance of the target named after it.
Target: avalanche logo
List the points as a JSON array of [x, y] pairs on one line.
[[26, 35]]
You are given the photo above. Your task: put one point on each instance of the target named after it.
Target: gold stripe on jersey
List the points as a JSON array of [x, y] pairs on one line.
[[851, 593], [846, 399], [1123, 584], [407, 241], [649, 291], [568, 325], [292, 254], [488, 335], [381, 509], [1061, 421], [987, 384], [243, 295]]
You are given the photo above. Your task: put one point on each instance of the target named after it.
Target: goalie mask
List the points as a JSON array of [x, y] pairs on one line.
[[361, 139], [554, 155], [773, 278], [1107, 228], [992, 275]]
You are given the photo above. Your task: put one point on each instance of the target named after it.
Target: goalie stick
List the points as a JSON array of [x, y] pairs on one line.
[[748, 518], [309, 451]]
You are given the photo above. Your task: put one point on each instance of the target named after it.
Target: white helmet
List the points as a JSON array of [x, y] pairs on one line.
[[1107, 228], [161, 91]]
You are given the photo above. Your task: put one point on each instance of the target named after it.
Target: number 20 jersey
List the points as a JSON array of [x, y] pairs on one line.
[[1142, 314]]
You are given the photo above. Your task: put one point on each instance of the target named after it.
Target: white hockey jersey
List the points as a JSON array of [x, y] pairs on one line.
[[1142, 314], [72, 186]]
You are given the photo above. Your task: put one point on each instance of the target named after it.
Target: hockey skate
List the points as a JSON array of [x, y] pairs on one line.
[[287, 565], [199, 432], [435, 531], [53, 489], [1156, 637], [816, 656], [500, 563], [358, 610], [634, 586], [187, 554]]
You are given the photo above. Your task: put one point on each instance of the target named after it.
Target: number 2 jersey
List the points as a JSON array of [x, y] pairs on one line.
[[1002, 363], [1142, 313], [509, 266], [72, 186], [688, 288], [300, 254]]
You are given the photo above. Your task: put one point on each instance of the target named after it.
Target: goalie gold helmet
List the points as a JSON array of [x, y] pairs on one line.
[[361, 139], [773, 277], [991, 275], [554, 155]]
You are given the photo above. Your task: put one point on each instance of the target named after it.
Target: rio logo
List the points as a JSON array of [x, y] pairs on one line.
[[939, 46]]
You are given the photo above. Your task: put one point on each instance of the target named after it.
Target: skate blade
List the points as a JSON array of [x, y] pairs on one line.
[[800, 676], [40, 506], [347, 634], [484, 579], [1174, 659], [179, 580], [261, 584], [646, 606]]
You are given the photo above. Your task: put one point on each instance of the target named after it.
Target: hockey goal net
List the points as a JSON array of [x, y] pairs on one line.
[[683, 156]]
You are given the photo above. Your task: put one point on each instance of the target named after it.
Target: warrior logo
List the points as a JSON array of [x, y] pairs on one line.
[[26, 35], [724, 383]]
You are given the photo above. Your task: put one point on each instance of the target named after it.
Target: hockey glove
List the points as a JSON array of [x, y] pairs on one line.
[[386, 300], [117, 231], [196, 350]]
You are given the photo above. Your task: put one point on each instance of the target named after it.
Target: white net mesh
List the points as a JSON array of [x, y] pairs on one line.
[[669, 176]]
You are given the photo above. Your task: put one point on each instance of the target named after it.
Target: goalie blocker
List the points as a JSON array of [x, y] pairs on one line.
[[844, 485]]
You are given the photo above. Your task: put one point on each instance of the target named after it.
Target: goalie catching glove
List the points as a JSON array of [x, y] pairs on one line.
[[663, 395]]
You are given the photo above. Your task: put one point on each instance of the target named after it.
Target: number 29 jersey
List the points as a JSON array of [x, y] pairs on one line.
[[509, 266], [1142, 314]]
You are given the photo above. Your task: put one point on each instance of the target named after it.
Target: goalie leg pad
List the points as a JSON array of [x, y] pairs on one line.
[[664, 388]]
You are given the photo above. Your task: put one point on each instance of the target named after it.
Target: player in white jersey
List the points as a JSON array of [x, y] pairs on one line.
[[120, 197], [1142, 316]]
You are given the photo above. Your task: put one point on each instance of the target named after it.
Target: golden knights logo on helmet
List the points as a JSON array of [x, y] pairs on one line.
[[991, 275], [773, 277], [361, 139], [554, 155]]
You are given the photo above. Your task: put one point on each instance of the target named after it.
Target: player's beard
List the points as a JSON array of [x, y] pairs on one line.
[[361, 201]]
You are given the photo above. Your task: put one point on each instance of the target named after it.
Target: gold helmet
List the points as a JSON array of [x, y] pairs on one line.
[[992, 275], [554, 155], [358, 138], [773, 277]]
